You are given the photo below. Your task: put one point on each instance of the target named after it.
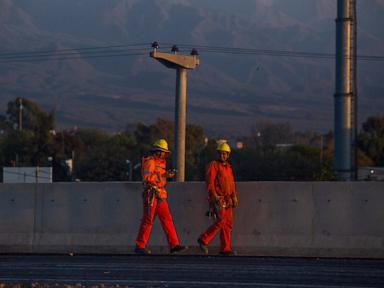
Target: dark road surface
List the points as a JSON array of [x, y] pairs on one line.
[[189, 271]]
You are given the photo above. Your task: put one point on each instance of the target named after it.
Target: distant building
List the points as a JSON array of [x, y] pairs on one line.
[[371, 173], [284, 146], [27, 174]]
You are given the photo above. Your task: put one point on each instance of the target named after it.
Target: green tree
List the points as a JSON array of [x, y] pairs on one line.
[[3, 126], [195, 144], [33, 144], [371, 139], [33, 117], [269, 134], [297, 163], [18, 148], [106, 159]]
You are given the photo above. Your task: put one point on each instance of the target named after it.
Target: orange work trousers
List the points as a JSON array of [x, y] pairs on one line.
[[161, 209], [224, 225]]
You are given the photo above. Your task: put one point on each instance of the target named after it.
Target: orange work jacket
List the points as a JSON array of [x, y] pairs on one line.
[[219, 179], [153, 174]]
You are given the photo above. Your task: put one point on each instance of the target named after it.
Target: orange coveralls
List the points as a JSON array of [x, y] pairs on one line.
[[220, 181], [153, 173]]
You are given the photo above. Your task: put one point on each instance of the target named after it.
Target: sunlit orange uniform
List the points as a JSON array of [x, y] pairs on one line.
[[153, 174], [153, 171], [220, 181]]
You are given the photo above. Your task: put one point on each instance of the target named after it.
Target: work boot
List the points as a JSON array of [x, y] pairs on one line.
[[178, 249], [203, 247], [228, 253], [142, 251]]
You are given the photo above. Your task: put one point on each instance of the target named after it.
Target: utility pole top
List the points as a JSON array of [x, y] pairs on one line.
[[174, 61], [181, 63]]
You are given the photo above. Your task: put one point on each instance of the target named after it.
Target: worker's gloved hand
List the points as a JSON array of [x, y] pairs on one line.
[[213, 198], [235, 202]]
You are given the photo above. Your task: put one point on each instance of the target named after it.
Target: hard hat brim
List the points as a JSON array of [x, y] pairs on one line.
[[220, 150], [160, 149]]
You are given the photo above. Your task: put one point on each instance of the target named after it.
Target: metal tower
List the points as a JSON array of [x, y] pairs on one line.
[[345, 90]]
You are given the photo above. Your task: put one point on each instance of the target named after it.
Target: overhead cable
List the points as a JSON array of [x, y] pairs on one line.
[[140, 49]]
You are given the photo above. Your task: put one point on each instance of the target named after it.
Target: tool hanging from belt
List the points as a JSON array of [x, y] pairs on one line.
[[224, 202], [149, 195]]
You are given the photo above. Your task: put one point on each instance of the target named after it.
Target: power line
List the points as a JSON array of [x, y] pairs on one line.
[[135, 50], [281, 53], [77, 53], [72, 56], [74, 49]]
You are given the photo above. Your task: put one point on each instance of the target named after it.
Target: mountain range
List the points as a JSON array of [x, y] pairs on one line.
[[228, 94]]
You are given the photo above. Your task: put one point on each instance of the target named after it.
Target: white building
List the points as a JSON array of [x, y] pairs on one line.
[[27, 174]]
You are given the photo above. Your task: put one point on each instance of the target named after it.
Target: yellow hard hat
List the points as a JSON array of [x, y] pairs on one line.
[[223, 147], [160, 145]]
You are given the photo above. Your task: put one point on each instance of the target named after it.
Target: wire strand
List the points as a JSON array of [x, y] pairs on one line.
[[135, 50]]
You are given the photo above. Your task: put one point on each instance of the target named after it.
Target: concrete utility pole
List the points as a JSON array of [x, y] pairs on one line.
[[345, 90], [181, 63]]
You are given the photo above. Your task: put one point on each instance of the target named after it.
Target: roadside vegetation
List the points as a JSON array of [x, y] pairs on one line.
[[272, 151]]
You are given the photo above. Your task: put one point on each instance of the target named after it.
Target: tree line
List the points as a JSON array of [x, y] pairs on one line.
[[272, 151]]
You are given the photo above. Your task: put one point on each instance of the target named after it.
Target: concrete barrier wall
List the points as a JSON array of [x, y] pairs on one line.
[[318, 219]]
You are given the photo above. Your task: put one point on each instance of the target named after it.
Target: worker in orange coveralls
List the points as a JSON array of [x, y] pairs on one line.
[[221, 189], [155, 176]]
